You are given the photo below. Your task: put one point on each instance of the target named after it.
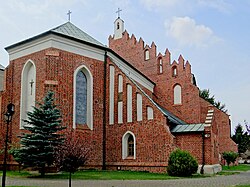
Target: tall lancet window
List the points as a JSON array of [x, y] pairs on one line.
[[83, 98], [28, 90]]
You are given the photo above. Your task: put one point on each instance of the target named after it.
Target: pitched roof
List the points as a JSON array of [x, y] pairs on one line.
[[172, 117], [66, 30], [188, 128], [69, 29]]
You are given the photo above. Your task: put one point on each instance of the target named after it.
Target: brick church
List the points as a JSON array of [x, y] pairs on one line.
[[131, 104]]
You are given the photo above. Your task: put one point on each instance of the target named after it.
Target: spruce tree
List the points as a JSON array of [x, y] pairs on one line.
[[39, 144]]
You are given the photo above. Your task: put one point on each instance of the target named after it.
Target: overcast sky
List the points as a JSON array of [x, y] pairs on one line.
[[213, 35]]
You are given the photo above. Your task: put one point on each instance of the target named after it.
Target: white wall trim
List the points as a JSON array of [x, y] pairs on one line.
[[89, 77], [150, 113], [139, 106], [57, 42], [129, 103], [111, 94]]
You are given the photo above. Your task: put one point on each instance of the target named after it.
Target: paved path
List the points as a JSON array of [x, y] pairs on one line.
[[218, 181]]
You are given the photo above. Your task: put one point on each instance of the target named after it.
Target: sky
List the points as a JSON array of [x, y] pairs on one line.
[[213, 35]]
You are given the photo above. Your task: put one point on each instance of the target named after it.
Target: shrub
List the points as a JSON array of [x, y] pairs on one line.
[[181, 163], [230, 157]]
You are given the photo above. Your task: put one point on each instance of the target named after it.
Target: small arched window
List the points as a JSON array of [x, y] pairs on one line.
[[118, 26], [160, 65], [146, 54], [128, 145], [174, 71], [177, 94]]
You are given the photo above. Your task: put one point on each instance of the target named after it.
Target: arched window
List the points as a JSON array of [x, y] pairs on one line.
[[177, 94], [83, 98], [118, 26], [28, 90], [131, 146], [128, 145], [160, 65], [174, 71], [146, 54]]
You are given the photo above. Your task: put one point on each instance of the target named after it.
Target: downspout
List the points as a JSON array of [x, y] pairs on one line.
[[104, 113], [203, 152]]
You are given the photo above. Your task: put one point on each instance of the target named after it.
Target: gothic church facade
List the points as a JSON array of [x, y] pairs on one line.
[[131, 105]]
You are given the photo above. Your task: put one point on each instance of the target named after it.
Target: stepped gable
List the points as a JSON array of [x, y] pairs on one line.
[[133, 51]]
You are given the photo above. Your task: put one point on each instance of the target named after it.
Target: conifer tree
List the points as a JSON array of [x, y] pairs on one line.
[[39, 144]]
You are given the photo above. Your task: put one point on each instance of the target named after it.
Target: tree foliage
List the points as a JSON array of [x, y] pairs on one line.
[[181, 163], [205, 94], [241, 138], [230, 157], [38, 145], [72, 153]]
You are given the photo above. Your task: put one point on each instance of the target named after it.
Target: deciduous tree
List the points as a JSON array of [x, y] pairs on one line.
[[72, 153]]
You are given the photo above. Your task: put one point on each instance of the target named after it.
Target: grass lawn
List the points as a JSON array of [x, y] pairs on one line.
[[120, 175], [240, 167], [96, 175]]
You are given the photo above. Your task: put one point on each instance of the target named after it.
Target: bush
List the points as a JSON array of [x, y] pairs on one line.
[[230, 157], [181, 163]]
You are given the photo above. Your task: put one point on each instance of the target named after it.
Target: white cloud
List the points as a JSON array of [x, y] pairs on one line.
[[151, 4], [186, 32], [220, 5]]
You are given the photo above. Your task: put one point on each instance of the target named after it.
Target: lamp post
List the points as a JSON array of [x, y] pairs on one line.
[[8, 117]]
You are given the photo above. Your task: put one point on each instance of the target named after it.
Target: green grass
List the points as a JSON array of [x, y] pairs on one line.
[[120, 175], [240, 167], [97, 175], [246, 185], [112, 175]]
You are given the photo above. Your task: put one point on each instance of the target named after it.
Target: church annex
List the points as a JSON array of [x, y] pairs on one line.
[[132, 105]]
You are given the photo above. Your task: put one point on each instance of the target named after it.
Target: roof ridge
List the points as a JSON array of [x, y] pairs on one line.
[[69, 29]]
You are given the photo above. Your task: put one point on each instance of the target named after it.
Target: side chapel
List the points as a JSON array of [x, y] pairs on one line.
[[132, 105]]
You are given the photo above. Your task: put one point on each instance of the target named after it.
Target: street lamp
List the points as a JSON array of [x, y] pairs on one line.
[[8, 117]]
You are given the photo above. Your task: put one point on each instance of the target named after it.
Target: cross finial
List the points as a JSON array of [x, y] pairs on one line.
[[118, 12], [31, 86], [69, 12]]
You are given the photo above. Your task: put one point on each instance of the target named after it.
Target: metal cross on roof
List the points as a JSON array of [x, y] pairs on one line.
[[69, 12], [118, 12]]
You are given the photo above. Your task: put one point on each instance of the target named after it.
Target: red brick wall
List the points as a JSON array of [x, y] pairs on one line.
[[133, 51], [154, 142], [60, 67]]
